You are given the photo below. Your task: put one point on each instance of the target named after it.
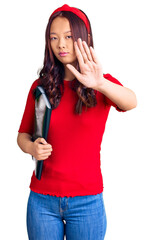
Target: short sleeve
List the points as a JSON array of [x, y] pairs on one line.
[[27, 122], [107, 100]]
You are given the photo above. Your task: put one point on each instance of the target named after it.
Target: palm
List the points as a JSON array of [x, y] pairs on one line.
[[91, 74]]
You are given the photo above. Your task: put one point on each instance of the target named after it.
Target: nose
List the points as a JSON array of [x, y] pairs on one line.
[[61, 43]]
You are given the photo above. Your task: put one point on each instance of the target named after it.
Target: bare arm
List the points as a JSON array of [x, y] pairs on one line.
[[123, 97], [40, 149], [24, 142]]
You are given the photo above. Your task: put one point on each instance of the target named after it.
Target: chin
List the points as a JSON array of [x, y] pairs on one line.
[[65, 61]]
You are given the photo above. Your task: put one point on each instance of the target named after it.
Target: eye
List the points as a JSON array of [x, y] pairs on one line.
[[52, 38], [69, 36]]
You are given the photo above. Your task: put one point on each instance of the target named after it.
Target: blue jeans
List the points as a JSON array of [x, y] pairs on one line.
[[79, 217]]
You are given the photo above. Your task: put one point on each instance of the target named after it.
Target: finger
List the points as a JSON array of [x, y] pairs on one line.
[[42, 154], [45, 153], [84, 55], [74, 71], [43, 157], [78, 54], [46, 147], [87, 50], [95, 59]]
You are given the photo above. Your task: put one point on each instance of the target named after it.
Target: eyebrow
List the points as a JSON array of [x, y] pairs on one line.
[[55, 33]]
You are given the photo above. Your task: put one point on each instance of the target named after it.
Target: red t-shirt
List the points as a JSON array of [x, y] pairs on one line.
[[73, 168]]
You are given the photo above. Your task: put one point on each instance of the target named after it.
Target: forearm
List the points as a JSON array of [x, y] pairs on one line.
[[25, 143], [123, 97]]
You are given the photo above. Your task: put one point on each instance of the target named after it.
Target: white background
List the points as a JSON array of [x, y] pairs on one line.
[[123, 40]]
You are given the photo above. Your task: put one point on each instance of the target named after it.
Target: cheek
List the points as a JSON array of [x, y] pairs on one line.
[[52, 47]]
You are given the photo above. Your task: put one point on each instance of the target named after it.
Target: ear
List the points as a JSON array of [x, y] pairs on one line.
[[89, 39]]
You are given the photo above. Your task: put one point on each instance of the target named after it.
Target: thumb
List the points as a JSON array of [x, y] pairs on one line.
[[73, 70], [41, 140]]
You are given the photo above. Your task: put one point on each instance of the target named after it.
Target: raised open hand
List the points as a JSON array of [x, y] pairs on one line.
[[91, 74]]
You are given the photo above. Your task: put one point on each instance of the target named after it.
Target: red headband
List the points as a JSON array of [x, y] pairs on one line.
[[76, 11]]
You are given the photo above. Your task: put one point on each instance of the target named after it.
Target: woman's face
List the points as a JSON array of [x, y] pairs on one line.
[[61, 41]]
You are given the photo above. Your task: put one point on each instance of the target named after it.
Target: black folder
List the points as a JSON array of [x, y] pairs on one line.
[[42, 120]]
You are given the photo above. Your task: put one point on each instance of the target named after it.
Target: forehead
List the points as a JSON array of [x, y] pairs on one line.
[[60, 24]]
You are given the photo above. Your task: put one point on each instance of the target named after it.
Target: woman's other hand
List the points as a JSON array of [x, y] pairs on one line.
[[41, 150]]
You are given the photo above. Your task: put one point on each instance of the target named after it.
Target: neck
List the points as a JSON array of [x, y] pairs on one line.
[[69, 76]]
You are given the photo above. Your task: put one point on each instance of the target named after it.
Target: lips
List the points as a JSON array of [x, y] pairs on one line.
[[63, 54]]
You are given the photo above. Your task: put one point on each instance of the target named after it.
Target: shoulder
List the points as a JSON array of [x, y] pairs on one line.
[[111, 78], [32, 88], [35, 84], [108, 76]]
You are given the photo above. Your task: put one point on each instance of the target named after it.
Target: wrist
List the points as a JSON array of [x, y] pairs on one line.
[[29, 147], [102, 85]]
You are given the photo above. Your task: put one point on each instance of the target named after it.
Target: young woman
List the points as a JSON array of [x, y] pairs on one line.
[[69, 197]]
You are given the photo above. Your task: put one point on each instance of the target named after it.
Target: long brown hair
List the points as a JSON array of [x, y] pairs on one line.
[[51, 76]]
